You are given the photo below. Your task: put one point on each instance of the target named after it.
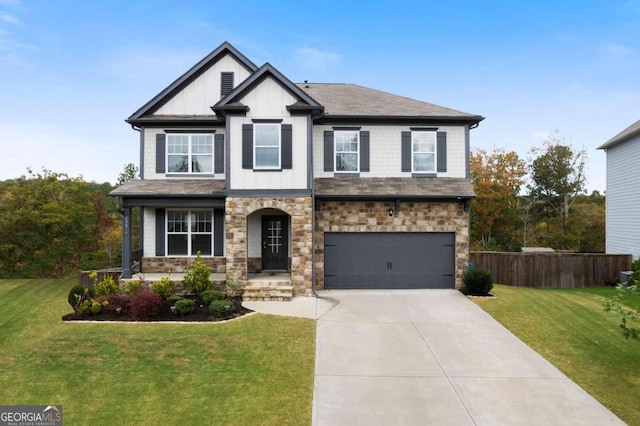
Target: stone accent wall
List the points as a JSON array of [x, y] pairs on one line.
[[361, 216], [180, 264], [299, 211]]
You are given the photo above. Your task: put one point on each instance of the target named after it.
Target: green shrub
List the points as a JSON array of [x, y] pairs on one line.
[[184, 307], [132, 286], [78, 295], [173, 299], [164, 287], [198, 279], [477, 281], [107, 286], [221, 308], [211, 295], [234, 287]]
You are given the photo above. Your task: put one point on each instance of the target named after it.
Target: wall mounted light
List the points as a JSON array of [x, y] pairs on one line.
[[390, 212]]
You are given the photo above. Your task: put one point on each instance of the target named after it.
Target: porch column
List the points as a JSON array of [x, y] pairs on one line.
[[126, 242]]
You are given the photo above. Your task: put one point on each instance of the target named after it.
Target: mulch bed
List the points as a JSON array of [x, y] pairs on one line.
[[199, 314]]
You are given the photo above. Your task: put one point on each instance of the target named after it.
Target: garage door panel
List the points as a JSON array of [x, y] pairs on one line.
[[389, 260]]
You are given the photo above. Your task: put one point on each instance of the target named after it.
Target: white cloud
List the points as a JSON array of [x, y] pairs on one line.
[[10, 3], [617, 50], [9, 19], [315, 59]]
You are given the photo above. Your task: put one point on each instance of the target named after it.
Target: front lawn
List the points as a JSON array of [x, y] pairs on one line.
[[255, 370], [569, 328]]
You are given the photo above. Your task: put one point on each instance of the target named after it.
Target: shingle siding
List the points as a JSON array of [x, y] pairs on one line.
[[386, 154], [623, 198]]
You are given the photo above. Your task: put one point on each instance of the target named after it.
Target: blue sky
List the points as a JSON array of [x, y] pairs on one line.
[[72, 71]]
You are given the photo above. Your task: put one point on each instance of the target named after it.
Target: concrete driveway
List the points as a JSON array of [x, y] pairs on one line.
[[432, 357]]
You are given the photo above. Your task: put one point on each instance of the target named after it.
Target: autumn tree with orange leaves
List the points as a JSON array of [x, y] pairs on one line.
[[497, 178]]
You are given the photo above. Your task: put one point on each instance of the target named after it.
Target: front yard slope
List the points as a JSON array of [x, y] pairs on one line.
[[570, 329], [256, 370]]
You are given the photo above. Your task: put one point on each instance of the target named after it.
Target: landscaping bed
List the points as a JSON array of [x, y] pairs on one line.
[[201, 313]]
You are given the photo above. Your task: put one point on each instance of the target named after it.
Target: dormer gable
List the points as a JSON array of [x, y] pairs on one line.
[[302, 104], [194, 91]]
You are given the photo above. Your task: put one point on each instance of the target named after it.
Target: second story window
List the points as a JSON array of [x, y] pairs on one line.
[[346, 149], [189, 153], [423, 149], [266, 146]]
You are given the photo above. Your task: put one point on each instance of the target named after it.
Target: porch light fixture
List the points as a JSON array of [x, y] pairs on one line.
[[390, 212]]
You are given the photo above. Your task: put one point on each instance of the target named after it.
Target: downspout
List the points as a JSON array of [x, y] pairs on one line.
[[313, 210]]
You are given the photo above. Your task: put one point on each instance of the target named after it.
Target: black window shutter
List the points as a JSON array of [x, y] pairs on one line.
[[364, 151], [247, 146], [160, 232], [328, 151], [160, 152], [406, 151], [442, 151], [287, 146], [218, 232], [226, 83], [218, 153]]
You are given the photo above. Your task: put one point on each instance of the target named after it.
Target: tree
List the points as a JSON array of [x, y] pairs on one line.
[[130, 172], [50, 225], [496, 179], [557, 176]]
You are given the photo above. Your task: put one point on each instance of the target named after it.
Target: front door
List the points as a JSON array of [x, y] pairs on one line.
[[275, 239]]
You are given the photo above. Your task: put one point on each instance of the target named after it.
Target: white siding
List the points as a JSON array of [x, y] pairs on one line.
[[386, 151], [150, 155], [623, 198], [149, 243], [269, 101], [202, 93]]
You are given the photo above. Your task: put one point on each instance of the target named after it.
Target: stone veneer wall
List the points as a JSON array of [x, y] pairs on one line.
[[361, 216], [180, 264], [299, 211]]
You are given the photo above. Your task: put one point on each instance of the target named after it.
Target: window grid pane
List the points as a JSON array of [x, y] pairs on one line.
[[189, 153], [346, 147], [424, 151], [267, 146], [189, 231]]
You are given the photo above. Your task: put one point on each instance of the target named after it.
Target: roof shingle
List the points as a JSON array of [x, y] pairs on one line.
[[358, 187], [171, 188]]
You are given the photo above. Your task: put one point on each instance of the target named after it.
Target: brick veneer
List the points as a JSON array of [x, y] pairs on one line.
[[299, 211], [360, 216]]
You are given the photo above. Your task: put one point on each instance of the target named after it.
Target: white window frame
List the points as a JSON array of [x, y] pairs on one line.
[[434, 152], [256, 126], [336, 152], [190, 154], [189, 233]]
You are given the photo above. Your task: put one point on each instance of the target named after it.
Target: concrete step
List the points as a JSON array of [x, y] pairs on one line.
[[268, 291]]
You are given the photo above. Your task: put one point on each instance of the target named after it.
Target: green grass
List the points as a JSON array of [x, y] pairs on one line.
[[570, 329], [256, 370]]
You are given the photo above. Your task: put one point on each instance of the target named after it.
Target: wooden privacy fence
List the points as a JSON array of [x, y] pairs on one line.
[[553, 270]]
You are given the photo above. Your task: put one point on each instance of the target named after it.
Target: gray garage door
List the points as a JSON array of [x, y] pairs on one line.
[[389, 260]]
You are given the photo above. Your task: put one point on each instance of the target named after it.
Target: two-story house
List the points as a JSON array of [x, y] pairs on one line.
[[338, 186]]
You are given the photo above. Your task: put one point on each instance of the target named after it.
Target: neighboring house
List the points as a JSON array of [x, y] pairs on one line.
[[336, 185], [623, 190]]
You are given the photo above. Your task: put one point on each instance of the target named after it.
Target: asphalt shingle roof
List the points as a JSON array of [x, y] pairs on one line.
[[171, 188], [358, 187], [342, 99], [627, 133]]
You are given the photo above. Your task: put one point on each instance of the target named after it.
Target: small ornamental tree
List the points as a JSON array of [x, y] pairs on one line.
[[198, 279], [629, 316]]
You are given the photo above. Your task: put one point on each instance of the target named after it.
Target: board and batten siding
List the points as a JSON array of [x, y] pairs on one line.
[[623, 198], [267, 101], [198, 97], [149, 242], [150, 155], [385, 151]]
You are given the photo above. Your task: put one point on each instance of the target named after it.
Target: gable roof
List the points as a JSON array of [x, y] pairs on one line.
[[342, 100], [186, 78], [230, 102], [628, 133]]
